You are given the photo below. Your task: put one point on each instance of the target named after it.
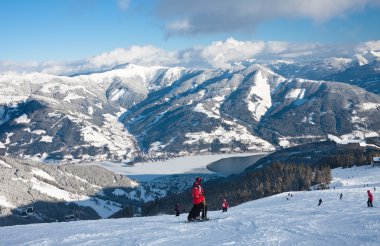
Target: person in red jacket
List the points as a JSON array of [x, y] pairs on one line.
[[198, 201], [370, 199], [225, 205]]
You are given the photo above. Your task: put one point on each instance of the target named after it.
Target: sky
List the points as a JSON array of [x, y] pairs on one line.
[[36, 35]]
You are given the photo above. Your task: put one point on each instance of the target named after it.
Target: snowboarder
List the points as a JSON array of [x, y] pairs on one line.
[[341, 195], [320, 202], [199, 203], [176, 209], [370, 199], [225, 205]]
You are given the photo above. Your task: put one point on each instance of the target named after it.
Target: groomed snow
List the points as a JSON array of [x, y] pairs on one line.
[[269, 221]]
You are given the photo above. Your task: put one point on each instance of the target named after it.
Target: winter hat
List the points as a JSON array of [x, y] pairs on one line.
[[198, 179]]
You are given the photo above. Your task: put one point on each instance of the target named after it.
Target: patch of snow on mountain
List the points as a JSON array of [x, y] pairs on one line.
[[42, 174], [283, 142], [5, 203], [259, 98], [200, 108], [295, 94], [90, 110], [119, 192], [39, 132], [117, 94], [23, 119], [12, 99], [369, 106], [52, 190], [72, 96], [48, 139], [102, 207], [4, 164]]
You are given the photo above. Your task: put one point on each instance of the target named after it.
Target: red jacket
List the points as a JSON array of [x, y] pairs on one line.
[[370, 197], [198, 196], [225, 205]]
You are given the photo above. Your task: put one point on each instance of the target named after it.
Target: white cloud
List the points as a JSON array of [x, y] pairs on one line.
[[219, 54], [223, 53], [373, 45], [214, 16]]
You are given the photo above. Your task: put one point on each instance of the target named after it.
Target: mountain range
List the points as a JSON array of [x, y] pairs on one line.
[[132, 112]]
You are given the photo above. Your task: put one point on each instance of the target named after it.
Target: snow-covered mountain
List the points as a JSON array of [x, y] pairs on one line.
[[57, 190], [132, 111], [363, 69], [50, 117], [249, 109], [275, 220]]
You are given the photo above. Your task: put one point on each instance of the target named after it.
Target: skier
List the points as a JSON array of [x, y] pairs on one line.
[[225, 205], [177, 212], [341, 195], [204, 207], [370, 199], [320, 202], [198, 202]]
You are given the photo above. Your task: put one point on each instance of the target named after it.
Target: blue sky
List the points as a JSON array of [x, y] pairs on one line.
[[70, 30]]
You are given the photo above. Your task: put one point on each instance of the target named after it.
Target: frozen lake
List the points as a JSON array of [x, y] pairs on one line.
[[146, 171]]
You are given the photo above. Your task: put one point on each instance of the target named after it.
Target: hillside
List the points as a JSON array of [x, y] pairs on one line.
[[54, 191], [269, 221]]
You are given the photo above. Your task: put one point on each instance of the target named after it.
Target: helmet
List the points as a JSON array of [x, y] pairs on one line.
[[198, 179], [368, 191]]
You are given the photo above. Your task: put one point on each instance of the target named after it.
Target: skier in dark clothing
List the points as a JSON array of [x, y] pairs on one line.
[[320, 202], [341, 195], [177, 211], [370, 199]]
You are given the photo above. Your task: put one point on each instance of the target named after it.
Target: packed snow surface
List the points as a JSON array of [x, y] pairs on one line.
[[270, 221]]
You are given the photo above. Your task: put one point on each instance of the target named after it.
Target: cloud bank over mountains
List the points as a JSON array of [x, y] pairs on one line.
[[219, 54], [185, 17]]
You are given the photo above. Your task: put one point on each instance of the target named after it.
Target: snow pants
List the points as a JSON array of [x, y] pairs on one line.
[[195, 211], [369, 203]]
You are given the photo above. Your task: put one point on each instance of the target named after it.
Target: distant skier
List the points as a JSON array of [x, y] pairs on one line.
[[320, 202], [370, 199], [177, 209], [225, 205], [374, 188], [341, 196]]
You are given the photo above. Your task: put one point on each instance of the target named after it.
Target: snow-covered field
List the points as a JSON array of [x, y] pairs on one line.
[[269, 221], [146, 171]]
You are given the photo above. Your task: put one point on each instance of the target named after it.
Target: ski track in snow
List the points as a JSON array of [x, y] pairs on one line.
[[270, 221]]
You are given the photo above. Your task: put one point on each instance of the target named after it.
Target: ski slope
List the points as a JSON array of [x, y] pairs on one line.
[[269, 221]]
